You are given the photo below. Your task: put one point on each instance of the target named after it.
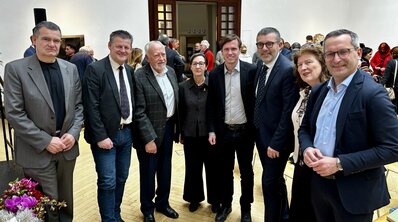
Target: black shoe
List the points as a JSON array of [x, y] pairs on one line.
[[214, 208], [223, 213], [149, 218], [246, 216], [168, 212], [193, 206]]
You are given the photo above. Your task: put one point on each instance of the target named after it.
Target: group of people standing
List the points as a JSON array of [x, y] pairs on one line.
[[346, 124]]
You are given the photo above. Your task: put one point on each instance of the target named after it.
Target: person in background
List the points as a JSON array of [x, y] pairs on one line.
[[204, 47], [197, 48], [229, 113], [243, 54], [70, 50], [81, 59], [89, 51], [175, 44], [256, 58], [173, 58], [276, 94], [43, 104], [194, 136], [135, 59], [380, 59], [309, 41], [286, 52], [390, 79], [295, 48], [156, 118], [31, 50], [219, 58], [349, 132], [318, 40], [310, 69], [287, 46], [109, 122], [365, 64]]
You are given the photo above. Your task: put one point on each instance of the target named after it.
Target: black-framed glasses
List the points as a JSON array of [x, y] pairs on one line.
[[342, 53], [198, 63], [261, 45]]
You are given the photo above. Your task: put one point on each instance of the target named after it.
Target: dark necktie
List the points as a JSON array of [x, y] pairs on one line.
[[257, 118], [124, 99]]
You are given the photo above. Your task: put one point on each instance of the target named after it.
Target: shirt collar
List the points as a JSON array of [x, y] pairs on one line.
[[272, 63], [236, 68], [345, 83], [114, 65], [159, 74]]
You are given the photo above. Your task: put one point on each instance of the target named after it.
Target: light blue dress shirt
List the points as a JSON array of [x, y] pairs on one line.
[[325, 136]]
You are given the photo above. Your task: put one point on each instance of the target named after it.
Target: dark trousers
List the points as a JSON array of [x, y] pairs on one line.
[[156, 165], [198, 153], [301, 208], [327, 203], [273, 183], [112, 168], [56, 180], [241, 142]]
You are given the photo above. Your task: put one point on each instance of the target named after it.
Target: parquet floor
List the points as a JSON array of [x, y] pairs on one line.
[[86, 208]]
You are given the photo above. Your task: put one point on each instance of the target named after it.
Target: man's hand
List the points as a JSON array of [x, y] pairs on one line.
[[56, 145], [271, 153], [105, 144], [325, 166], [151, 147], [68, 140], [311, 155], [212, 139]]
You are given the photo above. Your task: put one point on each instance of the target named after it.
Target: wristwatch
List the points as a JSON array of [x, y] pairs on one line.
[[338, 165]]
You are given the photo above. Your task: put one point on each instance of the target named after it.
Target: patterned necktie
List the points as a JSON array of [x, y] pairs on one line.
[[124, 99], [257, 119]]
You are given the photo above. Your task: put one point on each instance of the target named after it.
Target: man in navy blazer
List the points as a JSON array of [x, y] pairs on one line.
[[230, 105], [349, 132], [276, 95], [108, 123]]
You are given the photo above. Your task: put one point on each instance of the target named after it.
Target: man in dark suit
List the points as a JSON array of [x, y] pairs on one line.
[[156, 116], [276, 95], [42, 100], [108, 98], [173, 58], [230, 105], [349, 132]]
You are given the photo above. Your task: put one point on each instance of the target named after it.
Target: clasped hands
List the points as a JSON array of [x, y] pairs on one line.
[[322, 165], [61, 144]]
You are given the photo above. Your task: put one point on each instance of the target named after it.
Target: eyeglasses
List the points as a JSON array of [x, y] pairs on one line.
[[342, 53], [261, 45], [198, 63]]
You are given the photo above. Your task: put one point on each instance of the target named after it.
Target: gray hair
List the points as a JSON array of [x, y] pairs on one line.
[[149, 44], [49, 25], [339, 32], [164, 39], [269, 30], [205, 43]]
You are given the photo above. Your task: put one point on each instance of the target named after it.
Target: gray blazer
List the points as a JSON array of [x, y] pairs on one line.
[[150, 111], [29, 109]]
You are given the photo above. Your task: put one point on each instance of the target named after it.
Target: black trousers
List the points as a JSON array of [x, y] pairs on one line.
[[241, 142], [198, 153]]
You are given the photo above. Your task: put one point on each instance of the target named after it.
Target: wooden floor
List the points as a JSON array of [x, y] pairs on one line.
[[85, 189]]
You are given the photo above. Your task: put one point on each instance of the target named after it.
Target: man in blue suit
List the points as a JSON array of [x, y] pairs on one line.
[[276, 95], [349, 132]]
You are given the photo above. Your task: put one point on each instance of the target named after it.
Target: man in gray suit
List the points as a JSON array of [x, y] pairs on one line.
[[42, 97], [156, 98]]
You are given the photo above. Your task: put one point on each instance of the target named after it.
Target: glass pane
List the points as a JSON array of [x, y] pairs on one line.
[[169, 16], [168, 8], [161, 24], [160, 16], [223, 25], [223, 17], [169, 25], [170, 33], [231, 17], [231, 31], [223, 32], [231, 9], [223, 9], [160, 8], [230, 25]]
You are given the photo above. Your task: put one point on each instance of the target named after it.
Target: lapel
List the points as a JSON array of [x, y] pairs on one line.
[[274, 70], [67, 78], [243, 80], [111, 80], [220, 75], [347, 102], [36, 74], [152, 80]]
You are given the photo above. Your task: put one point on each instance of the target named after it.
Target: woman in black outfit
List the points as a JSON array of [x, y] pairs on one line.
[[194, 135]]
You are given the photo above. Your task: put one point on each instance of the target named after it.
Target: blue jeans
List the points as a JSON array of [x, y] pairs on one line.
[[112, 168]]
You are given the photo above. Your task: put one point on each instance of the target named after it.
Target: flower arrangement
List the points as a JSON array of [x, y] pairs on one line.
[[23, 202]]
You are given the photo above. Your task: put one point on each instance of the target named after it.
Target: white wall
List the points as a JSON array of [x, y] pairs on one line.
[[95, 19], [373, 21]]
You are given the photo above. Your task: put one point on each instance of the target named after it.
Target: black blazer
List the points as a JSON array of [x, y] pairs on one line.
[[281, 96], [101, 101], [366, 140], [215, 108]]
